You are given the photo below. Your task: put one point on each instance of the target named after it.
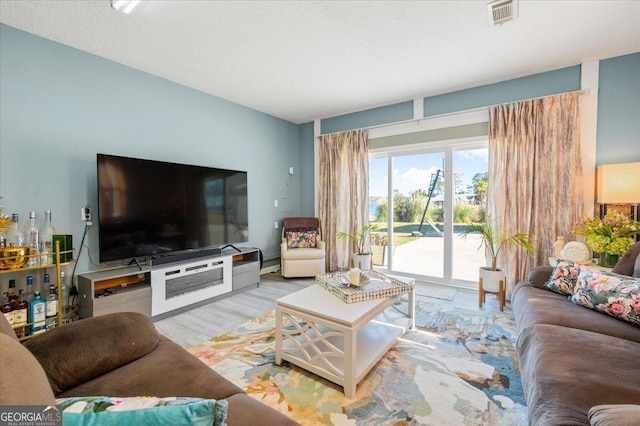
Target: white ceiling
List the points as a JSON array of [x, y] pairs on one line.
[[302, 60]]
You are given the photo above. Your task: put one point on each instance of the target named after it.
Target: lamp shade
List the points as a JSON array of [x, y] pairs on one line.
[[618, 183]]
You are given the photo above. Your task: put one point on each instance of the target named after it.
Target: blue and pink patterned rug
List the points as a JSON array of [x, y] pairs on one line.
[[458, 368]]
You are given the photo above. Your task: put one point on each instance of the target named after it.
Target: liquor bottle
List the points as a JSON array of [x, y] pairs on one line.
[[21, 317], [28, 295], [14, 234], [13, 297], [7, 310], [38, 314], [32, 241], [46, 240], [52, 308]]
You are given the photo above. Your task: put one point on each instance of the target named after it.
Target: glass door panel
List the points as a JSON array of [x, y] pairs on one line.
[[378, 189], [470, 170], [418, 199]]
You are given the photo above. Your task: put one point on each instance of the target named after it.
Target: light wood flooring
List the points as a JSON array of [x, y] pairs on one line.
[[200, 324]]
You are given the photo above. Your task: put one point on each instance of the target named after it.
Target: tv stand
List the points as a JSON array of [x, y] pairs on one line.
[[163, 290]]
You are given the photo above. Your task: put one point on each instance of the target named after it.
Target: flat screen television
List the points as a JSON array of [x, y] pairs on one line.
[[148, 208]]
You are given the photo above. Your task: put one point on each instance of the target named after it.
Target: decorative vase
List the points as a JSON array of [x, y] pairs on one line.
[[608, 260]]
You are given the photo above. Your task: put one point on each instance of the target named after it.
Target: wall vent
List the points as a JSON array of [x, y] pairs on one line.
[[502, 11]]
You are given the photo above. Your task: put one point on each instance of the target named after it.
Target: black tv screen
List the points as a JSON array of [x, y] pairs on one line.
[[148, 208]]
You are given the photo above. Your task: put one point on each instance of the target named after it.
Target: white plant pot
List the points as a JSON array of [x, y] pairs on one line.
[[362, 261], [491, 279]]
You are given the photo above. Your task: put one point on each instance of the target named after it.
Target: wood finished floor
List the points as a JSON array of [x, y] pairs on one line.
[[200, 324]]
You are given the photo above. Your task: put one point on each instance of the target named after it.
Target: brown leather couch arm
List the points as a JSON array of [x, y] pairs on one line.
[[78, 352]]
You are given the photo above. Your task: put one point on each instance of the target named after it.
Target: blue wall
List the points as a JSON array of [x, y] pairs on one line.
[[619, 110], [533, 86], [371, 117], [307, 178], [618, 138], [60, 106]]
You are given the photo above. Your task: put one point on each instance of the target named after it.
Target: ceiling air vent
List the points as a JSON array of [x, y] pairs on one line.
[[502, 11]]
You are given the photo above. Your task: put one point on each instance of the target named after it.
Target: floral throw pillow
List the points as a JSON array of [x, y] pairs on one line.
[[612, 294], [564, 277], [301, 239]]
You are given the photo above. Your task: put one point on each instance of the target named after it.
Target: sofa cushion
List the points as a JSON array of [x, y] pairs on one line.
[[533, 305], [614, 415], [92, 347], [563, 278], [611, 294], [24, 382], [626, 263], [567, 371], [116, 411], [305, 239]]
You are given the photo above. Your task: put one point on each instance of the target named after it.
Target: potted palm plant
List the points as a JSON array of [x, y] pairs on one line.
[[494, 238], [361, 258]]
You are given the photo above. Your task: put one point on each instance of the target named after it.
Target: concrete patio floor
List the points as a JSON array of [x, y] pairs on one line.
[[424, 256]]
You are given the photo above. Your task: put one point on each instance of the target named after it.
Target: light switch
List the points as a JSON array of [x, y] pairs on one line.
[[275, 203]]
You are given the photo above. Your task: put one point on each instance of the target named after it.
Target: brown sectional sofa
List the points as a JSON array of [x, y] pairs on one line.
[[573, 358], [115, 355]]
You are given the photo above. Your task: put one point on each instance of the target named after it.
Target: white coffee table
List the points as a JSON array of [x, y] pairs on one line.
[[339, 341]]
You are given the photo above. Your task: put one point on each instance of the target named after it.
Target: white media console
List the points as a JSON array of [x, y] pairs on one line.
[[164, 290]]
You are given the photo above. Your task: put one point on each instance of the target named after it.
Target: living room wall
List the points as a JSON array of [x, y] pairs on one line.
[[60, 106], [618, 134]]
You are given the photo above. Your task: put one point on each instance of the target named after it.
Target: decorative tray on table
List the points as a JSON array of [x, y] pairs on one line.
[[379, 286]]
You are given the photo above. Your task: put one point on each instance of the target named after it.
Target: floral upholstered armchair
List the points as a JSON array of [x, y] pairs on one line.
[[302, 251]]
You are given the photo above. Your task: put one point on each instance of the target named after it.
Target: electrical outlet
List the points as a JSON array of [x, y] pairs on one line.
[[275, 225], [85, 213]]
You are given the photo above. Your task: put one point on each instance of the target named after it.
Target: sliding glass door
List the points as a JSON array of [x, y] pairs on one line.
[[421, 200]]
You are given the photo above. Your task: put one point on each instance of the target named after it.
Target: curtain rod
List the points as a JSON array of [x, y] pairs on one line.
[[466, 111]]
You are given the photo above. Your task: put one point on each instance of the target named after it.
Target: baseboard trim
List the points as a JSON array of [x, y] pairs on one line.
[[268, 269]]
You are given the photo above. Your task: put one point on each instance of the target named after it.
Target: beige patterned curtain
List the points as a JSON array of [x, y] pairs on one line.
[[344, 191], [535, 174]]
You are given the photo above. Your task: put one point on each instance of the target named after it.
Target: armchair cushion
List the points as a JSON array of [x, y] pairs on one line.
[[316, 252]]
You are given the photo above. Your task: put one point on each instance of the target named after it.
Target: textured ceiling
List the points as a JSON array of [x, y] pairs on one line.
[[301, 60]]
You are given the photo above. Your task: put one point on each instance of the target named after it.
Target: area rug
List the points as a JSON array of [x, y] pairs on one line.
[[436, 291], [459, 367]]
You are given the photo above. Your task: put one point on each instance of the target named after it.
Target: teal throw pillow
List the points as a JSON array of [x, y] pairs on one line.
[[141, 411]]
